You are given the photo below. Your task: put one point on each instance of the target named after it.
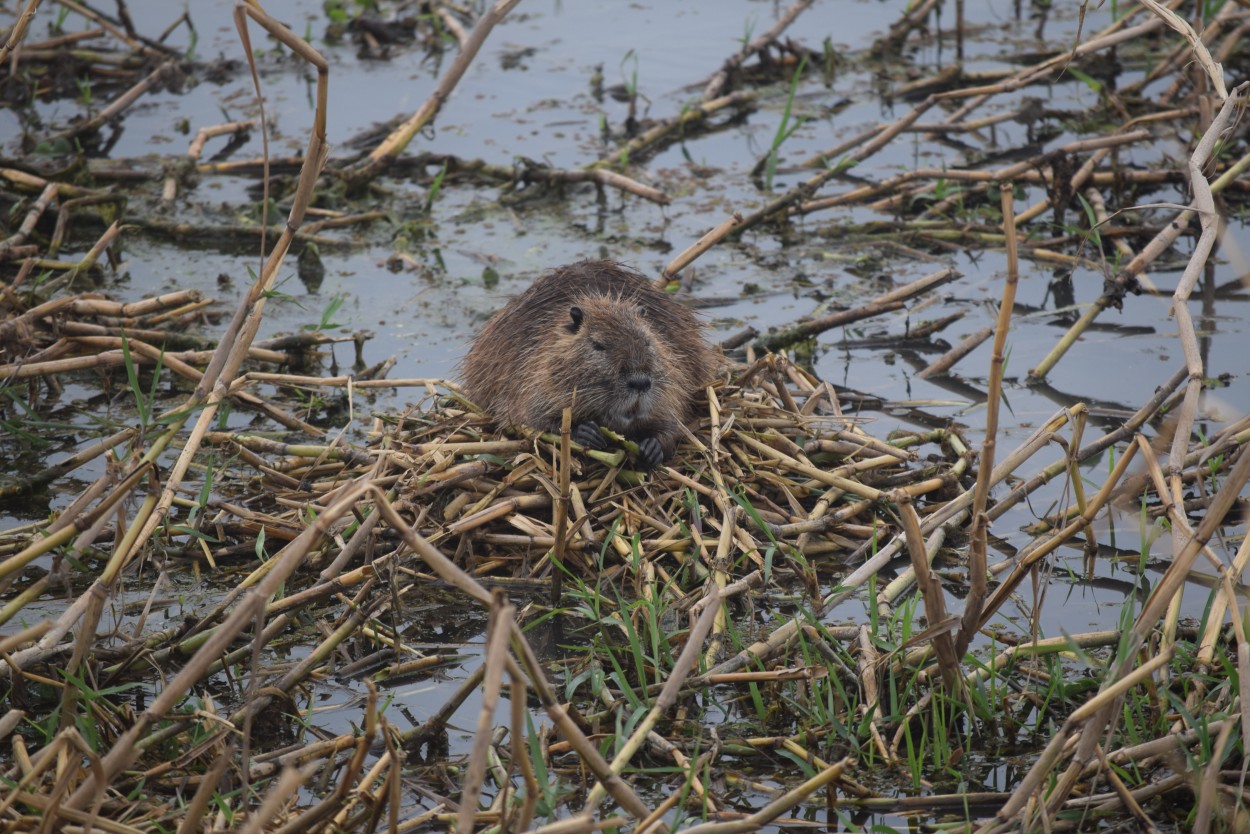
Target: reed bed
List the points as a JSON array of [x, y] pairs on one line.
[[799, 619], [711, 581], [676, 583]]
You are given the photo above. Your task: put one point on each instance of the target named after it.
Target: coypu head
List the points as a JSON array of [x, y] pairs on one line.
[[610, 360], [600, 338]]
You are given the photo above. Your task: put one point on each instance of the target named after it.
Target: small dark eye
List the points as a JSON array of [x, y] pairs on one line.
[[597, 345]]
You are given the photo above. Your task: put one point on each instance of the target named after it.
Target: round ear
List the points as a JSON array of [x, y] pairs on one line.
[[575, 316]]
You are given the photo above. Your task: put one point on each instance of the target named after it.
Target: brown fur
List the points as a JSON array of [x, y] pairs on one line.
[[631, 360]]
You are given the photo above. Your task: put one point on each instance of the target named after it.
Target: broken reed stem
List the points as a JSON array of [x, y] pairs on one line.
[[520, 756], [884, 303], [1213, 72], [559, 525], [949, 359], [774, 809], [697, 248], [381, 157], [18, 32], [720, 580], [139, 44], [876, 138], [36, 210], [78, 524], [1100, 145], [603, 177], [1148, 410], [1208, 217], [1099, 204], [170, 189], [498, 632], [934, 600], [118, 105], [720, 80], [649, 140], [978, 545]]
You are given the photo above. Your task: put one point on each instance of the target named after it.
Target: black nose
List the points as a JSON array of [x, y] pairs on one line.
[[638, 382]]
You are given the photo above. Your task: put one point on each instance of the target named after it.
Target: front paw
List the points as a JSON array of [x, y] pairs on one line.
[[650, 453], [588, 435]]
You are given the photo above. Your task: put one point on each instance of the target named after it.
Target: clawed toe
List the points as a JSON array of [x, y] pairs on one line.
[[650, 453], [588, 435]]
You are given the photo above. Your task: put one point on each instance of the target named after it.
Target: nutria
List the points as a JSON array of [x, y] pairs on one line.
[[601, 338]]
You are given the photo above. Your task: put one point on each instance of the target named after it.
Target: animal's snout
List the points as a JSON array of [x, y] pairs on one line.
[[640, 383]]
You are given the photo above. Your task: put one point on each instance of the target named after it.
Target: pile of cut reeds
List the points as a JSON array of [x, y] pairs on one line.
[[774, 451]]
